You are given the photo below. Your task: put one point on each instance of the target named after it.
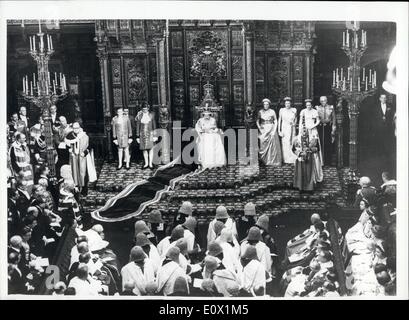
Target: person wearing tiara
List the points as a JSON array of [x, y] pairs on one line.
[[270, 150], [309, 120], [308, 165], [209, 142], [287, 129]]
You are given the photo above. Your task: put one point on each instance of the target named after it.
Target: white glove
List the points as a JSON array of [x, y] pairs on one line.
[[116, 142], [130, 140], [155, 139], [138, 140]]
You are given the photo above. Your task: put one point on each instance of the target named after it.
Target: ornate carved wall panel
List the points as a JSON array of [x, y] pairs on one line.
[[117, 97], [135, 69], [237, 66], [278, 73], [116, 71], [194, 94], [177, 68]]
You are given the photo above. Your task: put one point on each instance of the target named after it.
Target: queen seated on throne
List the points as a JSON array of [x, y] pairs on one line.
[[210, 140]]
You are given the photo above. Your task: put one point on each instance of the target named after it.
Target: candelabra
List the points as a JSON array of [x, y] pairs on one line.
[[348, 85], [46, 89]]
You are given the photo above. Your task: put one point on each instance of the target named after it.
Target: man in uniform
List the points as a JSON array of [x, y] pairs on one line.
[[326, 128], [122, 133]]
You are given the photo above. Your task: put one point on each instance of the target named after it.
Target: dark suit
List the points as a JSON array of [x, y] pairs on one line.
[[382, 128], [16, 283], [15, 219]]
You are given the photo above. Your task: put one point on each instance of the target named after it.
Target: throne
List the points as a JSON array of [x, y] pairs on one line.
[[209, 104]]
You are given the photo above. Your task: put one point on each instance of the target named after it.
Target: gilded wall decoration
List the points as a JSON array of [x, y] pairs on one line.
[[237, 38], [237, 66], [278, 73], [260, 68], [179, 95], [116, 71], [177, 40], [194, 95], [223, 93], [238, 93], [117, 97], [136, 79], [207, 53], [298, 67], [177, 68]]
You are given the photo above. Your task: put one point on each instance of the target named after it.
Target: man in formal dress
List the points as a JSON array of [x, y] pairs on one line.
[[78, 142], [326, 128], [55, 122], [122, 134], [382, 129], [22, 115]]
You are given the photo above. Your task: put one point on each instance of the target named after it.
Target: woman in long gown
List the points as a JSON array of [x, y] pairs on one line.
[[270, 150], [286, 130], [209, 142], [309, 121]]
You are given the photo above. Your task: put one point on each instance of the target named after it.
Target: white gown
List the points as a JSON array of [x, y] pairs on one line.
[[210, 144]]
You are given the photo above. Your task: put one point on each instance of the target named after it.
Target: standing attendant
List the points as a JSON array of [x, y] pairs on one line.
[[326, 128], [78, 141], [20, 161], [286, 129], [270, 150], [122, 133], [145, 127]]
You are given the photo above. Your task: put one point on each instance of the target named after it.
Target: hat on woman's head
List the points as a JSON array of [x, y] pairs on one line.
[[218, 227], [180, 285], [266, 100], [263, 222], [208, 285], [250, 253], [151, 288], [173, 254], [177, 233], [140, 226], [182, 245], [250, 209], [211, 263], [142, 240], [137, 254], [287, 99], [233, 289], [254, 234], [307, 100], [190, 224], [155, 217], [186, 208], [214, 249], [221, 213]]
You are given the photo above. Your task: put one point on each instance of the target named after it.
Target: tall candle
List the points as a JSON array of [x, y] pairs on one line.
[[359, 84], [24, 86], [31, 44], [356, 40], [349, 70], [342, 73], [350, 85], [343, 39], [347, 38], [363, 73], [27, 84], [49, 81], [39, 26], [56, 79], [333, 78], [34, 43], [362, 38], [34, 79], [54, 86], [374, 77], [31, 86], [51, 40]]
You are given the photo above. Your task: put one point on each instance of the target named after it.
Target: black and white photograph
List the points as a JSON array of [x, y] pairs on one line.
[[153, 156]]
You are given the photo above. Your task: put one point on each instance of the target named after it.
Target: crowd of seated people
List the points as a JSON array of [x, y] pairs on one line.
[[175, 264], [39, 208], [371, 242], [309, 264]]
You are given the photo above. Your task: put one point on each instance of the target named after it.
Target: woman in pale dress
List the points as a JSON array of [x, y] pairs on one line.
[[209, 143], [270, 150], [286, 130], [309, 118]]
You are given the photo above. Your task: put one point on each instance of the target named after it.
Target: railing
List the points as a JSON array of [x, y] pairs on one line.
[[62, 257], [338, 256]]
